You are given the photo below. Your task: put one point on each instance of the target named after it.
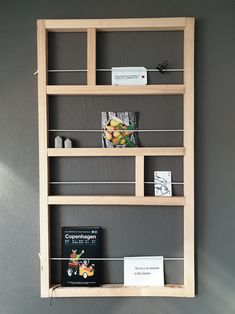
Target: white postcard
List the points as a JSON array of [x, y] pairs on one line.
[[162, 186], [144, 271], [129, 76]]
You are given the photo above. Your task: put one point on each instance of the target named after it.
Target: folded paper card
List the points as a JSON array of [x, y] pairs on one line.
[[129, 76], [144, 271]]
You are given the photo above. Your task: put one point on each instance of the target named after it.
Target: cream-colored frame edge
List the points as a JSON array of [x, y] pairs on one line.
[[119, 290], [189, 271], [139, 151], [91, 57], [116, 200], [117, 25], [171, 89], [139, 176], [43, 159]]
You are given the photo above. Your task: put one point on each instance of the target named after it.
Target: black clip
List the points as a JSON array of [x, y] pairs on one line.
[[162, 66]]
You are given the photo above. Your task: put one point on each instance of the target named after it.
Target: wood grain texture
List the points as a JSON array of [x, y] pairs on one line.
[[116, 200], [43, 159], [171, 89], [108, 152], [117, 25], [189, 158], [117, 290], [139, 176], [91, 56]]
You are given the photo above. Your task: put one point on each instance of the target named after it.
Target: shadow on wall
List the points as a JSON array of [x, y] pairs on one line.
[[10, 183]]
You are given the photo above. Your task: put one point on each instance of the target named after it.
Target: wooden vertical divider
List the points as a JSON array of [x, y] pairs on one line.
[[43, 159], [189, 158], [139, 176], [91, 56]]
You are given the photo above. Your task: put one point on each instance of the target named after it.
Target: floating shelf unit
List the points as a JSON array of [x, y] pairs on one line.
[[185, 24]]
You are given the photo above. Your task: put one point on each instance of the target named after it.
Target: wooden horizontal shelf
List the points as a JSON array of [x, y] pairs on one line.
[[112, 152], [115, 200], [117, 25], [119, 290], [170, 89]]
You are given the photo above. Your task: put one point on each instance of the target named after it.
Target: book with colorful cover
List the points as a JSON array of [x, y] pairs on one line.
[[79, 246]]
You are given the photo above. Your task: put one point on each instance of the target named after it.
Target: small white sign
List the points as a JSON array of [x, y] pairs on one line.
[[129, 76], [162, 186], [144, 271]]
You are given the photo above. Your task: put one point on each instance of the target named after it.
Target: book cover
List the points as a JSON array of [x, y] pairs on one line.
[[79, 246]]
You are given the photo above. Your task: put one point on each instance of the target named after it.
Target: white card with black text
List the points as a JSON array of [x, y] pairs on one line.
[[129, 76], [144, 271], [162, 183]]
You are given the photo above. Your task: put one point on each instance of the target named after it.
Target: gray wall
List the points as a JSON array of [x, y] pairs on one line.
[[215, 50]]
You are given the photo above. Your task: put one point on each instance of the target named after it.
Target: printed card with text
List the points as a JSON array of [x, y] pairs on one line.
[[129, 76], [144, 271], [162, 183]]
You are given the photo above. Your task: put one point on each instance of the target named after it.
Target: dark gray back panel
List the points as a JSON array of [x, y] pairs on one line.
[[155, 112]]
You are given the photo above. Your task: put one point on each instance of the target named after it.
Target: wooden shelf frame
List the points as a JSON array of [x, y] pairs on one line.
[[116, 200], [110, 152], [157, 89], [119, 290], [91, 27], [118, 25]]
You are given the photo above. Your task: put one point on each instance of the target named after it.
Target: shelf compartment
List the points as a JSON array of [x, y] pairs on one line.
[[119, 290], [109, 152], [116, 200], [170, 89]]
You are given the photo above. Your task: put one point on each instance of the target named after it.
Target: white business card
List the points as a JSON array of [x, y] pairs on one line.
[[144, 271], [129, 76], [162, 183]]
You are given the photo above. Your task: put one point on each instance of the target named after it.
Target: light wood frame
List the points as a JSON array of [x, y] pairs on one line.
[[185, 24]]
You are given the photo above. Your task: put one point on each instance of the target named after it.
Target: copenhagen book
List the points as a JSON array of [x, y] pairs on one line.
[[79, 246]]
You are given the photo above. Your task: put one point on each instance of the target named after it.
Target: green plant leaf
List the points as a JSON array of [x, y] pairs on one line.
[[130, 127], [130, 144]]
